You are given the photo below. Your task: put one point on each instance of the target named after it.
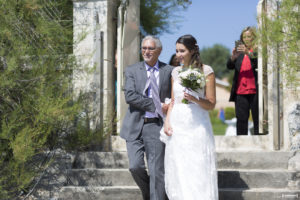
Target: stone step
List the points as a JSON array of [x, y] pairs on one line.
[[101, 160], [258, 194], [225, 160], [103, 193], [226, 178], [130, 193], [254, 178], [100, 177], [253, 160]]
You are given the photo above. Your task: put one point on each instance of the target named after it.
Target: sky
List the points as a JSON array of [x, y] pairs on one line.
[[211, 22]]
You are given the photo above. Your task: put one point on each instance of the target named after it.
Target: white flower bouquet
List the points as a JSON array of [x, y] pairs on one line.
[[192, 78]]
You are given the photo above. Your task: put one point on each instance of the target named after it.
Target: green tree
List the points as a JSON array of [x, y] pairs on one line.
[[37, 109], [282, 30], [158, 16], [216, 56]]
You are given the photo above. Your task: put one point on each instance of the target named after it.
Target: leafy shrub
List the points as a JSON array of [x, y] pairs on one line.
[[37, 109]]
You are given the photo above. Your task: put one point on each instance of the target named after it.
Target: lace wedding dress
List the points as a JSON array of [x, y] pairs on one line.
[[190, 169]]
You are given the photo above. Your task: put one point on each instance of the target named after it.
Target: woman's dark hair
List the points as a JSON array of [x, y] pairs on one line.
[[173, 61], [191, 44]]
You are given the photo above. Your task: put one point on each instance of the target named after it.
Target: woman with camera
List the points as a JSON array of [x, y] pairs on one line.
[[244, 91]]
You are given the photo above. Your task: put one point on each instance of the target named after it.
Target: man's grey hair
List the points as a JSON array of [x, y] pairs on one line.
[[153, 38]]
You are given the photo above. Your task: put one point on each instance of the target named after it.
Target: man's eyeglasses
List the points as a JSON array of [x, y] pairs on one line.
[[149, 48]]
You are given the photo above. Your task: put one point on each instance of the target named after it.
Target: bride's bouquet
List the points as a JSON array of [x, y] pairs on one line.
[[192, 78]]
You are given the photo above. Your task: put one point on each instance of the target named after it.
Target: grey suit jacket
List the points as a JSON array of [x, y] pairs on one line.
[[139, 103]]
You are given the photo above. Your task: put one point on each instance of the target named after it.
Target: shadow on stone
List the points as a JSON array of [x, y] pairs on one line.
[[227, 180]]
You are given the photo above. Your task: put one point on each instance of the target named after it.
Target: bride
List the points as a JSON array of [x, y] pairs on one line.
[[190, 169]]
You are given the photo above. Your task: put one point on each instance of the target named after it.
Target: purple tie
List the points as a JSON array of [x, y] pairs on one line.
[[155, 94]]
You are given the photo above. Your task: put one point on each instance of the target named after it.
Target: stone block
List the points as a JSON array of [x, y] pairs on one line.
[[118, 144], [100, 177], [111, 160], [103, 193]]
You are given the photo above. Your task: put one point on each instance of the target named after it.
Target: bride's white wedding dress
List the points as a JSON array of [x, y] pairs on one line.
[[190, 168]]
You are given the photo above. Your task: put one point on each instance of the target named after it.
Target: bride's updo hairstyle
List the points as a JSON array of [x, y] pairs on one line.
[[191, 44]]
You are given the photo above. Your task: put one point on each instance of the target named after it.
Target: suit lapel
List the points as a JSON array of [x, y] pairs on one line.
[[161, 75], [144, 79]]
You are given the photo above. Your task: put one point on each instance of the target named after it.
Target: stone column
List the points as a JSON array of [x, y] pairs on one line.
[[283, 99], [262, 73], [94, 24], [291, 97], [274, 96], [128, 48]]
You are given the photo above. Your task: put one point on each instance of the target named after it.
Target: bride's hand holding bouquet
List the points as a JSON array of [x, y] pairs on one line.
[[192, 79]]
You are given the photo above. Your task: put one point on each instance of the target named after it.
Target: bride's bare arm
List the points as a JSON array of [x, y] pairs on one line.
[[167, 126], [210, 89]]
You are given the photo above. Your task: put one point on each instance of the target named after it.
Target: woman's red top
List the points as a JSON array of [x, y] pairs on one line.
[[246, 80]]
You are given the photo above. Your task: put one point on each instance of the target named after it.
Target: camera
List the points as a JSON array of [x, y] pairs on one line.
[[237, 43]]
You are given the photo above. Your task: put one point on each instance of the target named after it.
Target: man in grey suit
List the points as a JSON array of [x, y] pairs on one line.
[[147, 84]]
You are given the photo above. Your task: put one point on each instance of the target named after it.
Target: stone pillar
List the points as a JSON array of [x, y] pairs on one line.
[[94, 24], [128, 48], [283, 99], [262, 73], [291, 99], [274, 95]]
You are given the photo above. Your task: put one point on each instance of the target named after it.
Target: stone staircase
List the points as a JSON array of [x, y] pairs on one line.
[[242, 175], [255, 176]]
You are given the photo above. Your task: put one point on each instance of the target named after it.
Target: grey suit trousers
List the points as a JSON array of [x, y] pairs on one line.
[[152, 185]]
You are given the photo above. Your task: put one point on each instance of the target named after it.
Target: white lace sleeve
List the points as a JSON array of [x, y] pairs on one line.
[[207, 70], [175, 73]]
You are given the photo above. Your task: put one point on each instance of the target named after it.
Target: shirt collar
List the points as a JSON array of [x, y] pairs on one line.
[[155, 66]]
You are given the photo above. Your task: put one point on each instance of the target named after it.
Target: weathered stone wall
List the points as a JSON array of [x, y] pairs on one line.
[[294, 126], [94, 42]]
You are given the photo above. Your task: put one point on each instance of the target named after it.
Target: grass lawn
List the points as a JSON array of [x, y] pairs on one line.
[[218, 126]]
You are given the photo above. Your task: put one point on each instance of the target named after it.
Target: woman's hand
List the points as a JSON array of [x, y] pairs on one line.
[[209, 102], [237, 51], [168, 129], [189, 97], [165, 108], [242, 49], [235, 54]]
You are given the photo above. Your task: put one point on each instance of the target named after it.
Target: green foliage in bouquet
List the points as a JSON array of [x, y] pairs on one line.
[[191, 78]]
